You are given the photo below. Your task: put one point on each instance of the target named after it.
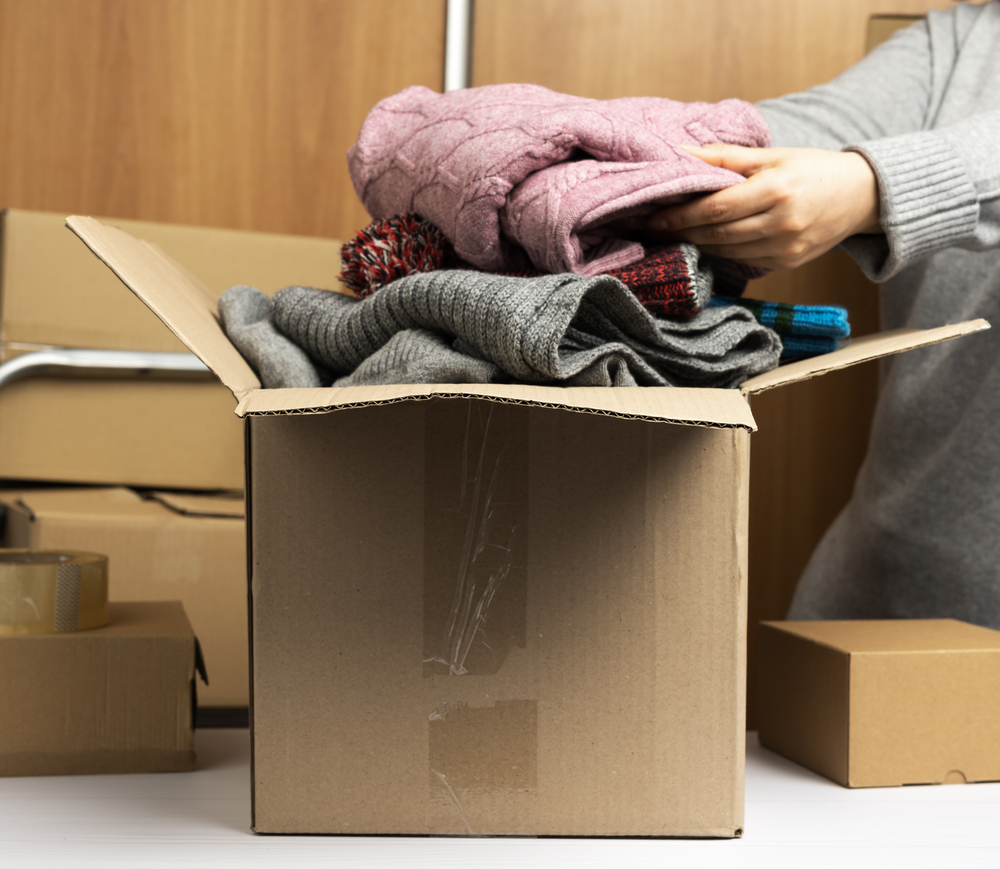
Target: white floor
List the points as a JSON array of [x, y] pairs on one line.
[[793, 819]]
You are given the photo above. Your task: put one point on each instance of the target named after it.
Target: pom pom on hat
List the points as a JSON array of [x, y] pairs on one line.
[[392, 248]]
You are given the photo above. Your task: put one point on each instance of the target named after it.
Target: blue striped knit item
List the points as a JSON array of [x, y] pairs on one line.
[[805, 330]]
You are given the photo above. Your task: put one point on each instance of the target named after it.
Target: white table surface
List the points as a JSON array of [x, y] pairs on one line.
[[793, 818]]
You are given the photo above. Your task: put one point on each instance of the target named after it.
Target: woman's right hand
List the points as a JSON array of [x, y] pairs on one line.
[[796, 204]]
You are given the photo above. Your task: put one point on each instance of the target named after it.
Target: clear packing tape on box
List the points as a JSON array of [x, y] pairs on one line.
[[52, 592]]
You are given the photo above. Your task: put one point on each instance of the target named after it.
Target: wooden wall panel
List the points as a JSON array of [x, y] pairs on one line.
[[233, 113], [813, 436], [682, 49]]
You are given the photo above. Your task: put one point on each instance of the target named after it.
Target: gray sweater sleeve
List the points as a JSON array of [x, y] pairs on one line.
[[923, 110]]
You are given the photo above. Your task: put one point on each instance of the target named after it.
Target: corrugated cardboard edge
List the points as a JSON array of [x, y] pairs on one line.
[[248, 543], [860, 350], [721, 408]]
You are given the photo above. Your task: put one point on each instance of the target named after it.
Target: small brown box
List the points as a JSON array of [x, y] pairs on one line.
[[116, 699], [166, 546], [882, 703]]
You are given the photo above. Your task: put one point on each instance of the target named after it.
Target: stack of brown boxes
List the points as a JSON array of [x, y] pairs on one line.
[[143, 467]]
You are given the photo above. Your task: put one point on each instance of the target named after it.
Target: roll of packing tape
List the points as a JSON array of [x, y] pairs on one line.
[[50, 592]]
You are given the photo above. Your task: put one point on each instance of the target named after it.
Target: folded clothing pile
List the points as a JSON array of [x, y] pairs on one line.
[[507, 246], [672, 280], [458, 326], [518, 176]]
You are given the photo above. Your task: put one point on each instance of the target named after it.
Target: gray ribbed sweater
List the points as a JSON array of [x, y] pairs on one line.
[[921, 535], [457, 326], [562, 328]]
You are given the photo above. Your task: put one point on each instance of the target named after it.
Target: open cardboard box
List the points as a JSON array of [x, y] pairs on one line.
[[490, 609]]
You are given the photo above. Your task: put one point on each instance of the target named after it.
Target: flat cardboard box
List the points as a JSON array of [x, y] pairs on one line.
[[164, 546], [140, 431], [116, 699], [881, 703], [490, 609]]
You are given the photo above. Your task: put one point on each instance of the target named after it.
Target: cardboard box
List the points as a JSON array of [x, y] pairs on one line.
[[115, 699], [144, 431], [490, 609], [877, 703], [165, 546]]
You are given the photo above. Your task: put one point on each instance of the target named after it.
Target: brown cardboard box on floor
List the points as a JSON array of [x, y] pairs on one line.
[[879, 703], [490, 609], [116, 699], [142, 431], [165, 546]]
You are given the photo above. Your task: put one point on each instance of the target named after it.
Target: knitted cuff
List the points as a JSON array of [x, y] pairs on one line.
[[928, 200]]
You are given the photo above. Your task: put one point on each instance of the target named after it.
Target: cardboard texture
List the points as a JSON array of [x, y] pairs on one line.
[[486, 610], [166, 546], [882, 703], [56, 293], [504, 616], [144, 431], [116, 699]]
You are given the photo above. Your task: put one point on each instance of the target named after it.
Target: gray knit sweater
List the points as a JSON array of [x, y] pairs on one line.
[[921, 535]]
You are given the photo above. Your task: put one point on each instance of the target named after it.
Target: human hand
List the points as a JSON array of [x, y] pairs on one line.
[[796, 204]]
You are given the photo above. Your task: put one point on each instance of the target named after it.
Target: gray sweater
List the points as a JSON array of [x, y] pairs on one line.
[[921, 535]]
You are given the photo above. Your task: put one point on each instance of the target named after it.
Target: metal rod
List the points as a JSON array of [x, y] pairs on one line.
[[99, 363], [458, 45]]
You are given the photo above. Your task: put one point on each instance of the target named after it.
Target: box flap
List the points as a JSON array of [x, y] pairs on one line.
[[723, 408], [860, 350], [175, 295]]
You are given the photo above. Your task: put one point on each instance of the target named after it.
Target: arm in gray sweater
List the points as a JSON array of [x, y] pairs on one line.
[[924, 111]]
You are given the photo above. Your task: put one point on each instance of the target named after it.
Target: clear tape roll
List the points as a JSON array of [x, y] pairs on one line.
[[52, 592]]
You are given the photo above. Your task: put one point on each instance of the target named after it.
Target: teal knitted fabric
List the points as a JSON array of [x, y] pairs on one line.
[[805, 330]]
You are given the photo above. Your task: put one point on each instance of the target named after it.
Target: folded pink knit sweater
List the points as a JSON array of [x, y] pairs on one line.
[[510, 169]]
